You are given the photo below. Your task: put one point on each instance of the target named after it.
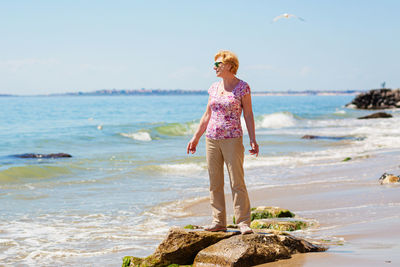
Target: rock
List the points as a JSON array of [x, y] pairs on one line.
[[192, 227], [387, 178], [44, 156], [179, 247], [377, 99], [338, 138], [253, 249], [264, 212], [279, 224], [376, 116], [310, 137]]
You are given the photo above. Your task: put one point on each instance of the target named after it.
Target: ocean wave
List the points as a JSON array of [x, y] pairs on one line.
[[177, 129], [16, 174], [139, 136], [180, 168], [340, 112], [276, 120]]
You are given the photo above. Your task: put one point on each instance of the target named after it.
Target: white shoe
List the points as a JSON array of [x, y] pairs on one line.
[[245, 229]]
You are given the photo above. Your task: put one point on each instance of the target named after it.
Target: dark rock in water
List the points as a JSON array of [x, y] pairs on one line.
[[253, 249], [337, 138], [310, 137], [44, 156], [387, 178], [376, 116], [377, 99]]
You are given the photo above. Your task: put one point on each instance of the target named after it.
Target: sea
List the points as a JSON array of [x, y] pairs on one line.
[[129, 177]]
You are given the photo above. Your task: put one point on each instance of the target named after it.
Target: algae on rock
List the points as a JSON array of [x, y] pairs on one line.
[[264, 212], [287, 225]]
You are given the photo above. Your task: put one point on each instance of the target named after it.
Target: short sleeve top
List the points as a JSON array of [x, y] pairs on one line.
[[226, 111]]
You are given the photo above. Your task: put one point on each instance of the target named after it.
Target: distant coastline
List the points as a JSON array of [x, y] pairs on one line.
[[146, 92]]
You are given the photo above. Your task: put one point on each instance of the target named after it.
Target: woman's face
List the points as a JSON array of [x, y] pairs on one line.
[[223, 68]]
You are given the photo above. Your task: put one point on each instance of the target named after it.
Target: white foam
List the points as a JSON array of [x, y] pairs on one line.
[[276, 120], [140, 136], [62, 238], [183, 167], [339, 112]]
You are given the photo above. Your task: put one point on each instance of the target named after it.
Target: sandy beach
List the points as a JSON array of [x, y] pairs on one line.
[[356, 216]]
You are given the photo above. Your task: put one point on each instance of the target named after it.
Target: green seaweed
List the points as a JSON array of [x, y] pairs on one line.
[[285, 214], [261, 215], [189, 226], [347, 159], [265, 214], [126, 261], [292, 226]]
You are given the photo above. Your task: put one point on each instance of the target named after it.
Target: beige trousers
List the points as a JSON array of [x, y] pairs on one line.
[[230, 151]]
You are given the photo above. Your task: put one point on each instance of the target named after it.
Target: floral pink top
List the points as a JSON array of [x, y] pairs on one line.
[[226, 110]]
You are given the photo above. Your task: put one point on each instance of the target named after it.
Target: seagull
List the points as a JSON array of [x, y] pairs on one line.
[[287, 16]]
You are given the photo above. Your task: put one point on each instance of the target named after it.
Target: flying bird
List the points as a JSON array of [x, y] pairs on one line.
[[287, 16]]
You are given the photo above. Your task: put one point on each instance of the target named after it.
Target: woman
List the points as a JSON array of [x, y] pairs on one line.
[[224, 141]]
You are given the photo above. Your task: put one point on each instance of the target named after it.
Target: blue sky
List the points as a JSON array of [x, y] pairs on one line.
[[69, 46]]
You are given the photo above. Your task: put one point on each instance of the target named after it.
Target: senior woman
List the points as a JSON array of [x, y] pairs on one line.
[[224, 143]]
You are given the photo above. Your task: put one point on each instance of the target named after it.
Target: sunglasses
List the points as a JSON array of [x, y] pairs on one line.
[[217, 64]]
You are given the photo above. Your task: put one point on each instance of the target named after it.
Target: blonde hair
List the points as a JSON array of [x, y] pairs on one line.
[[228, 57]]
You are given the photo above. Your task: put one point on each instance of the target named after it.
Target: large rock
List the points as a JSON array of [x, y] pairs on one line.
[[179, 247], [264, 212], [253, 249], [279, 224], [376, 115], [45, 156], [387, 178], [377, 99], [336, 138]]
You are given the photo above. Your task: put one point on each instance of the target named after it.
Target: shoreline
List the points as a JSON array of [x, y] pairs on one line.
[[357, 215]]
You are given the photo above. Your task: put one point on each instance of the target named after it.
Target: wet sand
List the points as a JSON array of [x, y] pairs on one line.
[[357, 217]]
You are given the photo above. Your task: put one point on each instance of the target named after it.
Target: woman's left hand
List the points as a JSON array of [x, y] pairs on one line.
[[254, 148]]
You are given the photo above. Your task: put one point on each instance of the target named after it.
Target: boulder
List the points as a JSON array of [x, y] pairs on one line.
[[376, 116], [179, 247], [263, 212], [45, 156], [387, 178], [336, 138], [279, 224], [253, 249], [377, 99]]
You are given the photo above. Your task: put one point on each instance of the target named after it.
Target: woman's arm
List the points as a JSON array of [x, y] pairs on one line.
[[191, 147], [249, 119]]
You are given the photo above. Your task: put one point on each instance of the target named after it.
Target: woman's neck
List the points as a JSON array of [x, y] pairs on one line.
[[230, 82]]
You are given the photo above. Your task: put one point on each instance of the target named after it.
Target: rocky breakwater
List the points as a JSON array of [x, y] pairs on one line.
[[377, 99], [197, 247]]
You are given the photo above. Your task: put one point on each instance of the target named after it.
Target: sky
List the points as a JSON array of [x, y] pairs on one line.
[[70, 46]]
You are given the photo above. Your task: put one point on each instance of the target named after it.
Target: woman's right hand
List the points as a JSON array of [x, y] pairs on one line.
[[191, 147]]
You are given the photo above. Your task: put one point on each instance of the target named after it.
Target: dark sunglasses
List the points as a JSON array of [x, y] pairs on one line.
[[216, 64]]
